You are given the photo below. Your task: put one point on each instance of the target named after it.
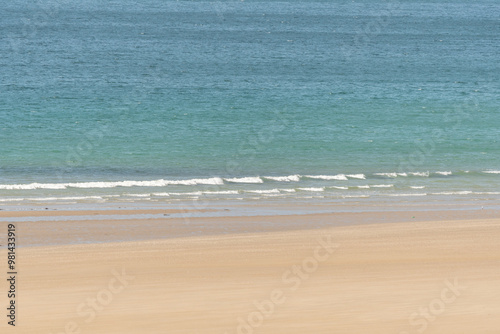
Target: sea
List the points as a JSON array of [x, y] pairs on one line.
[[165, 101]]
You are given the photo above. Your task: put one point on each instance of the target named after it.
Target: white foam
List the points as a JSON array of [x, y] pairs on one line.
[[363, 187], [357, 176], [312, 189], [343, 188], [340, 177], [209, 181], [288, 190], [154, 183], [382, 186], [245, 180], [444, 173], [33, 186], [392, 175], [193, 193], [289, 178], [417, 187], [222, 192], [161, 194], [491, 171], [387, 174], [80, 197], [270, 191], [87, 185], [464, 192], [424, 174]]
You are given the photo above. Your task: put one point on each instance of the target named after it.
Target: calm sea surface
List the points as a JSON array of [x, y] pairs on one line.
[[161, 100]]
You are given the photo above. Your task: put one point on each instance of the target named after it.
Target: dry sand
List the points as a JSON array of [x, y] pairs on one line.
[[432, 276]]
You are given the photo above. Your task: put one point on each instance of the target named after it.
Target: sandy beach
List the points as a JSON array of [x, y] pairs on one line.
[[390, 272], [250, 167]]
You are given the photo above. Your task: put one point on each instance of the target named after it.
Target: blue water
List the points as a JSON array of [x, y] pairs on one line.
[[162, 91]]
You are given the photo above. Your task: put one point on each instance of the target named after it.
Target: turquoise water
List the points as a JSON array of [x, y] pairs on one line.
[[164, 99]]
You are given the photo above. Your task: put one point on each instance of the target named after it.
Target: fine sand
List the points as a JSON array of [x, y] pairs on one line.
[[393, 274]]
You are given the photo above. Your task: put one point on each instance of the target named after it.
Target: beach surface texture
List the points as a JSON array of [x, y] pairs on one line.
[[358, 272]]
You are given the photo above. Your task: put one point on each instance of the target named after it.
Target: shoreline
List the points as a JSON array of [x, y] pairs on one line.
[[66, 225], [430, 184]]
